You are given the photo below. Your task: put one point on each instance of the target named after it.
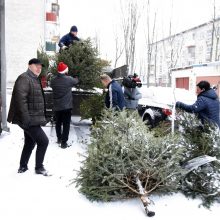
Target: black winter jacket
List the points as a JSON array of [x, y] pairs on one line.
[[62, 91], [27, 106], [207, 106], [67, 40]]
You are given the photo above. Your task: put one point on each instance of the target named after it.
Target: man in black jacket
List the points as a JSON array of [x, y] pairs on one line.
[[62, 98], [27, 109], [69, 38]]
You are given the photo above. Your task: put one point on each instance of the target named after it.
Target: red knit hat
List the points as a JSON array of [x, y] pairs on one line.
[[62, 67]]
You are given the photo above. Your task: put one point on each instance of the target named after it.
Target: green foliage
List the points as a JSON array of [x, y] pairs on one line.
[[92, 107], [82, 60], [199, 140], [123, 151], [203, 182], [44, 58]]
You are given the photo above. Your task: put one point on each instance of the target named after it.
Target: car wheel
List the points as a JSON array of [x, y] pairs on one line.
[[148, 121]]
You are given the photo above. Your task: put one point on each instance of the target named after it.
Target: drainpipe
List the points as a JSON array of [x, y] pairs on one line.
[[3, 67]]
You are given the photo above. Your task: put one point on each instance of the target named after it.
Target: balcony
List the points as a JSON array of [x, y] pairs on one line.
[[51, 16], [50, 46]]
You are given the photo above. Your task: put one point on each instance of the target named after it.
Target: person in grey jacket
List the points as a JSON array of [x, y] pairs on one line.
[[132, 95], [62, 100], [27, 109]]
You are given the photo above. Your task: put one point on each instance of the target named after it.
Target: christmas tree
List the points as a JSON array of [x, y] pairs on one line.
[[202, 158], [83, 62], [124, 160]]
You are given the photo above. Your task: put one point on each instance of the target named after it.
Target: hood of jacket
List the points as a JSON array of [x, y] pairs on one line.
[[209, 94]]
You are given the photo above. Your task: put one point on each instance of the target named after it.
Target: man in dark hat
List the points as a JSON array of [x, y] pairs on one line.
[[27, 109], [207, 104], [69, 38]]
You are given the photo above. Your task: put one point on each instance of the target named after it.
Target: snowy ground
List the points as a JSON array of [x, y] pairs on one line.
[[29, 196]]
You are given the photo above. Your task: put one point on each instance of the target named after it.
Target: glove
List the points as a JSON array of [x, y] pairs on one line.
[[64, 47], [178, 104]]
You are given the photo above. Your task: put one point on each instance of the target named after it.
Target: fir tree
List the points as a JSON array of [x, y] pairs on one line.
[[125, 160], [201, 141], [82, 60]]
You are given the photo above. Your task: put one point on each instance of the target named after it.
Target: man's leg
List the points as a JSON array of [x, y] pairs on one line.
[[58, 115], [29, 144], [66, 125], [39, 136]]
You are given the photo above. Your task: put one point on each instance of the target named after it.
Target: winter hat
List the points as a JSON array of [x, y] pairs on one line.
[[62, 67], [73, 29], [35, 61]]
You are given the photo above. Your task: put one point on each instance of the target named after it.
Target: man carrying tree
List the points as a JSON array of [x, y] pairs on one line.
[[69, 38], [114, 97], [63, 104]]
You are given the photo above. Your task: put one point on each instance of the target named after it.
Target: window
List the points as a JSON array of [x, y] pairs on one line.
[[55, 8], [191, 51]]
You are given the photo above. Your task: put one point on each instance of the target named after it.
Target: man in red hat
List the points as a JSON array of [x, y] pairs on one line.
[[62, 98]]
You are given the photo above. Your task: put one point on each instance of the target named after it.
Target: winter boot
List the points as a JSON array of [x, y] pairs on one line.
[[42, 171], [22, 169]]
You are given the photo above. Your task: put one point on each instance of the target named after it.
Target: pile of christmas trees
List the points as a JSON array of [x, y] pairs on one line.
[[126, 160]]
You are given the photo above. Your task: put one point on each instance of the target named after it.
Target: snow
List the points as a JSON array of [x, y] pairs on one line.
[[25, 196], [165, 97]]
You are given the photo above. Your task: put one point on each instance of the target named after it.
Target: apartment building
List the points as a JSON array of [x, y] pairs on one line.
[[52, 26], [25, 27], [29, 25], [197, 45]]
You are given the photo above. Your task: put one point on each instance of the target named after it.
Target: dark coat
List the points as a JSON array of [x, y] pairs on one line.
[[114, 97], [27, 106], [67, 39], [62, 91], [207, 106]]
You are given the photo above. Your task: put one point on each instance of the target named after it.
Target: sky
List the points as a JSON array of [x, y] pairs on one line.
[[101, 19], [26, 196]]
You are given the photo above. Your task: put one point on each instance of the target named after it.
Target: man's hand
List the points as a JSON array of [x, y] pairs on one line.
[[64, 47]]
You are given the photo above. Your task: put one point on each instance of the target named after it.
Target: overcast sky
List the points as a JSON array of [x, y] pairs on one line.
[[101, 18]]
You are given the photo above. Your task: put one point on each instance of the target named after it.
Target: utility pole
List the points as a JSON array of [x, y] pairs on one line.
[[3, 66]]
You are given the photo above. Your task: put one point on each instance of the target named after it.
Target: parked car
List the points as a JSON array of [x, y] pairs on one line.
[[157, 102]]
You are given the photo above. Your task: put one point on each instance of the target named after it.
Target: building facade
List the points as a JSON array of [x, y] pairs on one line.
[[197, 45], [52, 26], [25, 27], [29, 25]]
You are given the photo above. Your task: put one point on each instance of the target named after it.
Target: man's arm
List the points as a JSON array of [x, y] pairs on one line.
[[21, 100], [198, 106]]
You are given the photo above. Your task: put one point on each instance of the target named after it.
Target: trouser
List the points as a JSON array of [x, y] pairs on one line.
[[63, 119], [34, 135]]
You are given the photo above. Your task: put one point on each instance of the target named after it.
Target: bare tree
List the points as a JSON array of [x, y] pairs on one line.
[[130, 19], [150, 41], [119, 49], [172, 49], [215, 34], [96, 40]]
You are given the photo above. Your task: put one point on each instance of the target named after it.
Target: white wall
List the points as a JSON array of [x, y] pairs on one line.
[[25, 24]]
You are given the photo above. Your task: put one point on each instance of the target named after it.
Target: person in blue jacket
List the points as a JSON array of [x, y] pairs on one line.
[[206, 105], [69, 38], [114, 97]]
